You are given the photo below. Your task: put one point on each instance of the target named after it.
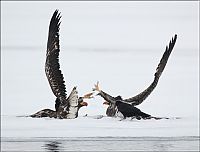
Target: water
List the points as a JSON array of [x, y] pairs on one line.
[[189, 143], [119, 44]]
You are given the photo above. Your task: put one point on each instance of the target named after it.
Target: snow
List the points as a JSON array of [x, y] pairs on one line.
[[118, 44], [23, 127]]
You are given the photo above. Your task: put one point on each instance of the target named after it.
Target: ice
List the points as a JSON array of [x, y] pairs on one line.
[[23, 127], [118, 44]]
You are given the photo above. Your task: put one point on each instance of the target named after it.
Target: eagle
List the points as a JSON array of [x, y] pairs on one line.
[[65, 107], [127, 106]]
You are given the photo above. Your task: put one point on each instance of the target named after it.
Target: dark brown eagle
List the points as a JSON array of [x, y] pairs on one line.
[[65, 107], [127, 106]]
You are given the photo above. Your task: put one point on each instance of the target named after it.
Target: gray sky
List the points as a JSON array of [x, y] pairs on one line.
[[114, 25]]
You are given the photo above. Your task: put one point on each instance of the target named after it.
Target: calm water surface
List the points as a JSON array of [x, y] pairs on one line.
[[102, 144]]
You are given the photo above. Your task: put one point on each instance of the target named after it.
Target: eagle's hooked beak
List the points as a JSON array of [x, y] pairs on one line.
[[106, 103], [83, 103]]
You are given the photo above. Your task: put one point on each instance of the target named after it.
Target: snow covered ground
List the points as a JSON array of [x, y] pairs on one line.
[[90, 127], [120, 48]]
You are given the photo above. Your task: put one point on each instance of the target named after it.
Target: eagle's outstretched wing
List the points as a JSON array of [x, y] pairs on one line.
[[52, 66], [107, 97], [138, 99], [72, 108]]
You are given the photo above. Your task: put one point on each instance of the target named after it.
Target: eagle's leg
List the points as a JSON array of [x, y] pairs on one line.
[[88, 95]]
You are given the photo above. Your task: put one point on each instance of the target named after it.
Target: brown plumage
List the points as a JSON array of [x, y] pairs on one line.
[[52, 66], [66, 107], [138, 99]]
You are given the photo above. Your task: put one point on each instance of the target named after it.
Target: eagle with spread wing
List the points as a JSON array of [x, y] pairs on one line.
[[127, 106], [65, 107]]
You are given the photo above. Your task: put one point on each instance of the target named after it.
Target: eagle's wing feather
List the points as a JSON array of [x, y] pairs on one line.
[[107, 97], [138, 99], [52, 66], [73, 104]]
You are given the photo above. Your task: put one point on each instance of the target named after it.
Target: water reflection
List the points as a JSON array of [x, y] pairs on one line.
[[53, 146], [186, 143]]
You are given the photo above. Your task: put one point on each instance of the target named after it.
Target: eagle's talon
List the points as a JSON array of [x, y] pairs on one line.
[[96, 87], [88, 96]]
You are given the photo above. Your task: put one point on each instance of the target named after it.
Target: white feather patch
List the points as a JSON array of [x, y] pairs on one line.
[[73, 97], [72, 112], [73, 104]]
